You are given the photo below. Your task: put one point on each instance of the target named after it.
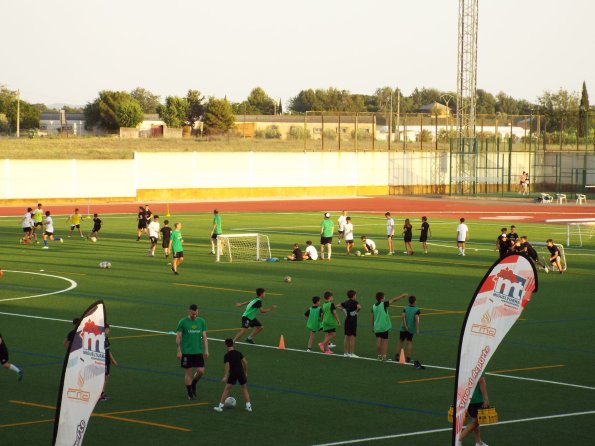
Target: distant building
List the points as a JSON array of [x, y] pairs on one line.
[[436, 108], [49, 123]]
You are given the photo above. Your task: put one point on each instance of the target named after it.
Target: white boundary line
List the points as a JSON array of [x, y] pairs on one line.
[[433, 431], [363, 358], [72, 286]]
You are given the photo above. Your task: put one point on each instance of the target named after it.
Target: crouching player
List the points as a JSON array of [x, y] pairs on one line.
[[236, 370]]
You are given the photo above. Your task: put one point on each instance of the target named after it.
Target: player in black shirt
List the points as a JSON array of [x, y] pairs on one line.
[[503, 246], [109, 360], [407, 237], [296, 254], [512, 235], [556, 255], [425, 229], [236, 370], [142, 222], [351, 308], [4, 360], [72, 333], [527, 249], [165, 236], [96, 226]]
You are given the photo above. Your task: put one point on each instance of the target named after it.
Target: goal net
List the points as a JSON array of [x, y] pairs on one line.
[[544, 255], [243, 247]]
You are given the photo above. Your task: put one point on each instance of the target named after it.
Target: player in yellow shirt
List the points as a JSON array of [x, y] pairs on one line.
[[38, 216], [75, 222]]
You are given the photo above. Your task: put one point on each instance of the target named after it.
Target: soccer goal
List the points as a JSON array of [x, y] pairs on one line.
[[243, 247], [544, 255]]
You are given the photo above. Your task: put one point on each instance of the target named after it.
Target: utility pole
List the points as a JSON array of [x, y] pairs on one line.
[[390, 120], [18, 113], [398, 114]]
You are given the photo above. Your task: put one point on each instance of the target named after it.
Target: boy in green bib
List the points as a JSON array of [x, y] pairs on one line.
[[330, 322], [381, 322], [409, 326], [314, 320], [249, 317]]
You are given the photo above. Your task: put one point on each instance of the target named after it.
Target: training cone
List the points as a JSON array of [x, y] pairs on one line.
[[402, 357], [167, 215], [281, 343]]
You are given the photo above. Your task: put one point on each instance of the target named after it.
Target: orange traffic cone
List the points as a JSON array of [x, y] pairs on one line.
[[281, 343], [402, 357]]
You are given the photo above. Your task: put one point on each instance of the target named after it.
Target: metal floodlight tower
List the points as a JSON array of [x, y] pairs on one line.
[[467, 69]]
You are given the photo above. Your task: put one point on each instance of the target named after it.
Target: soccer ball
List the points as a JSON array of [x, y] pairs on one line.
[[287, 279], [375, 252], [105, 265], [358, 253], [230, 402], [93, 239]]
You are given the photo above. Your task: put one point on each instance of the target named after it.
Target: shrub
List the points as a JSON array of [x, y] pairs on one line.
[[330, 135], [297, 132]]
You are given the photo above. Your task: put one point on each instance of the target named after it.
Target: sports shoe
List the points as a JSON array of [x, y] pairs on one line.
[[546, 270], [463, 254], [347, 355], [218, 409], [20, 375], [46, 247], [308, 350], [250, 341], [321, 346], [328, 352], [212, 252], [459, 443], [248, 408], [353, 355], [103, 397], [61, 240], [481, 444], [368, 254], [331, 345], [405, 252], [389, 253], [379, 358], [190, 396], [425, 252]]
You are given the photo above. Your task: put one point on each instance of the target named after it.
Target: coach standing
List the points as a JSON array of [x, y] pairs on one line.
[[193, 348], [327, 228]]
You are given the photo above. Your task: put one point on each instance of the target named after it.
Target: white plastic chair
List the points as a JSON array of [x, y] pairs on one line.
[[581, 198], [546, 198], [561, 198]]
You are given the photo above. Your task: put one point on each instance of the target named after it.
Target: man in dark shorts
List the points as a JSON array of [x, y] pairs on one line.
[[165, 237], [409, 327], [193, 348], [479, 399], [327, 228], [351, 307], [109, 361], [96, 226], [381, 322], [175, 246], [216, 231], [142, 222], [423, 237], [503, 246], [236, 370], [556, 255], [4, 360], [527, 249], [249, 317]]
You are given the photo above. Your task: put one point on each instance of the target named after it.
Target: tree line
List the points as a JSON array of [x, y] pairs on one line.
[[565, 111]]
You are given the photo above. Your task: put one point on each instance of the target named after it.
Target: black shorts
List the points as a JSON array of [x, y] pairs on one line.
[[326, 240], [382, 335], [191, 361], [49, 234], [3, 354], [473, 408], [233, 379], [214, 236], [165, 243], [405, 335], [423, 238], [350, 327], [247, 323], [153, 240], [96, 229], [330, 330], [75, 226], [142, 224], [407, 238], [27, 229], [178, 255], [108, 364], [349, 242], [341, 232], [38, 223], [389, 236]]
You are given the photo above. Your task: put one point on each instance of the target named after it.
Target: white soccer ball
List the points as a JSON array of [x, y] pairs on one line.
[[108, 265], [93, 239], [287, 279], [230, 402], [375, 252], [358, 253], [105, 265]]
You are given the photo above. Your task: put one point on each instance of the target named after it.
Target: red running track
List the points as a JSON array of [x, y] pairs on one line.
[[446, 207]]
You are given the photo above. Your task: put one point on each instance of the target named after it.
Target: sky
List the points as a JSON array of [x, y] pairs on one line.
[[65, 51]]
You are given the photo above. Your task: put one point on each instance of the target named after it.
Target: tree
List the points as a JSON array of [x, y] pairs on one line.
[[112, 110], [196, 107], [422, 97], [583, 111], [28, 116], [147, 100], [485, 103], [558, 108], [174, 111], [331, 99], [218, 117], [260, 103], [280, 107]]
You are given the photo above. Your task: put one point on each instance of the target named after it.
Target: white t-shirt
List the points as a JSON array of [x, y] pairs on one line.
[[49, 225], [371, 244], [154, 229], [390, 226], [348, 231], [27, 220], [312, 253], [462, 230], [341, 222]]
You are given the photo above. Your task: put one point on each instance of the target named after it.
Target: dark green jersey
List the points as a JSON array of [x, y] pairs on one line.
[[313, 314], [192, 331], [410, 313], [328, 320], [382, 320], [217, 224], [176, 241], [252, 308], [327, 227], [477, 397]]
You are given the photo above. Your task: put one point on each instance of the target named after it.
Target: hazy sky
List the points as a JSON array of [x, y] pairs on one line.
[[68, 50]]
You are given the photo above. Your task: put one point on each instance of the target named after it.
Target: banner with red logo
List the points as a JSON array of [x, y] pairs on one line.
[[83, 377], [497, 304]]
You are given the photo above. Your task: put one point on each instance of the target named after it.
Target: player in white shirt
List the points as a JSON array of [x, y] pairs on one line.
[[369, 246], [390, 232], [49, 231], [462, 236], [341, 221], [310, 253], [28, 224], [153, 229], [348, 234]]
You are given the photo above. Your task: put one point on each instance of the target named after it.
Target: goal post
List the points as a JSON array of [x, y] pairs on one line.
[[544, 254], [243, 247]]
